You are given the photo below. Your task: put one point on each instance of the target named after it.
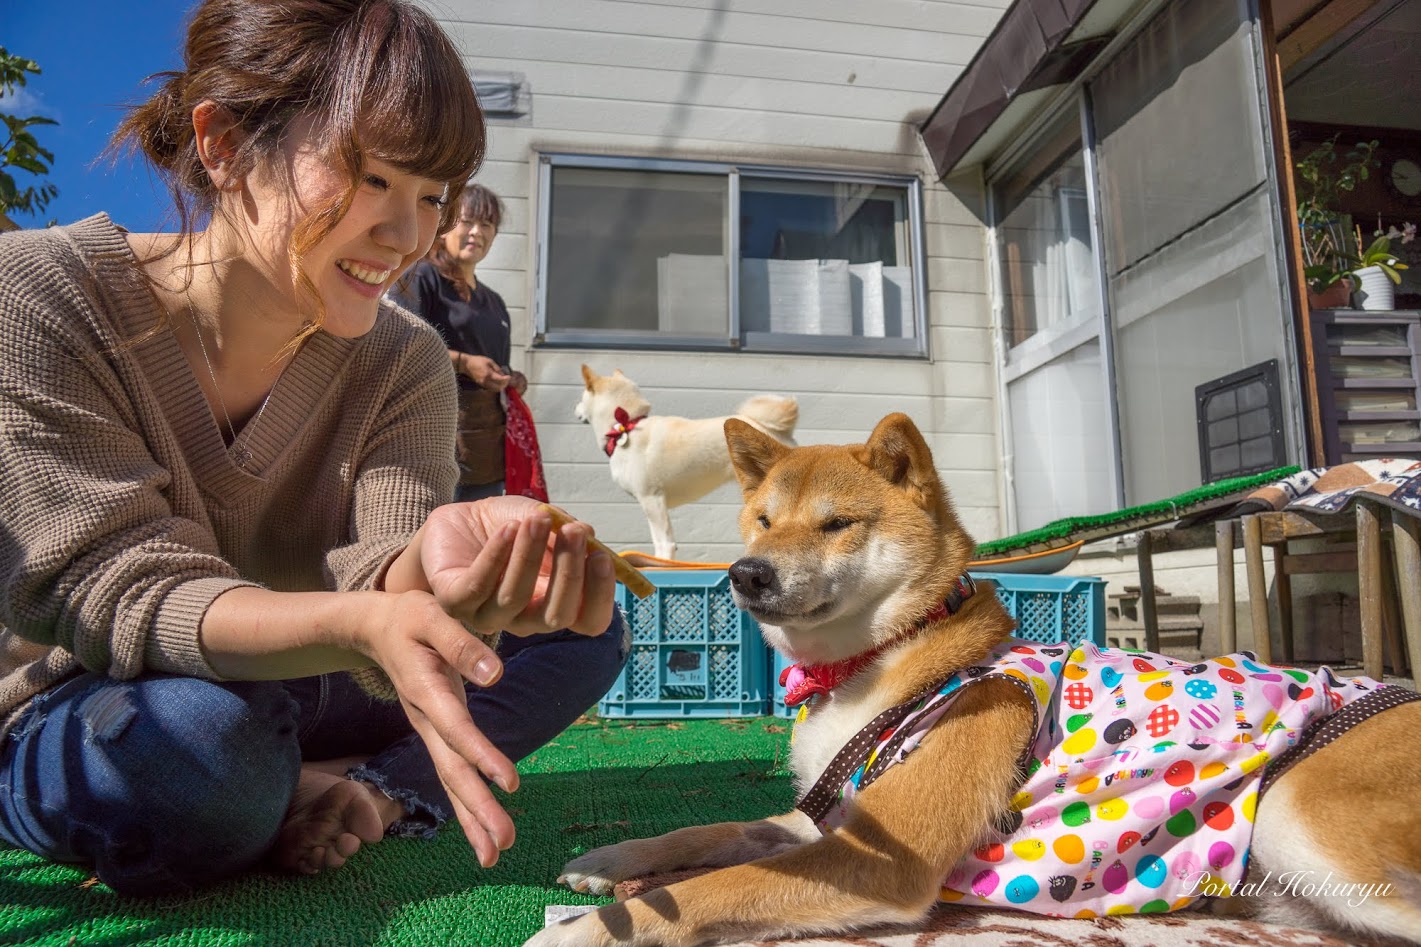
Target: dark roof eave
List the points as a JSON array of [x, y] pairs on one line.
[[1026, 51]]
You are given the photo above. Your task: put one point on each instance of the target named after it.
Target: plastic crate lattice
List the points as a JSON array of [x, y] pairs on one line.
[[694, 654]]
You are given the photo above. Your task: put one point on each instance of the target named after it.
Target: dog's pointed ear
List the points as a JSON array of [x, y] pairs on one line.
[[589, 377], [752, 453], [897, 451], [617, 373]]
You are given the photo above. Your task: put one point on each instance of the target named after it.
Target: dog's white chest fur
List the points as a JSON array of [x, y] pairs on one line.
[[828, 727]]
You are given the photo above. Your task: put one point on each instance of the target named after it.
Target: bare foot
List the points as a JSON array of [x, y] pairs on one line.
[[329, 818]]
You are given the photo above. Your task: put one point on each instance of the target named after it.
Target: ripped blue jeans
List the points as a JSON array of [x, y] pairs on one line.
[[165, 784]]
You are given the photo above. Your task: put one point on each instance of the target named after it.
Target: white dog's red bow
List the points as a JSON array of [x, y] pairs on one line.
[[617, 436]]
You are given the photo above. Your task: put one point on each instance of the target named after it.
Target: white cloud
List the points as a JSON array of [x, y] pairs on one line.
[[23, 102]]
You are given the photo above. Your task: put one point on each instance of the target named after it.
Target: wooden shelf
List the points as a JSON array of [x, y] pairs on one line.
[[1334, 333], [1352, 417]]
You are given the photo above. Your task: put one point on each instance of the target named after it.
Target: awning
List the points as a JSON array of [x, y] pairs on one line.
[[1036, 44]]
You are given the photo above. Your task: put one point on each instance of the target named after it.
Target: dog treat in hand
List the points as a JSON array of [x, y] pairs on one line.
[[627, 574]]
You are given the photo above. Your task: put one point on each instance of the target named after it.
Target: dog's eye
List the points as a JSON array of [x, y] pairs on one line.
[[764, 521], [836, 524]]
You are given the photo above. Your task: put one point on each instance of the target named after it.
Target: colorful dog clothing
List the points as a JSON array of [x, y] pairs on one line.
[[1143, 779]]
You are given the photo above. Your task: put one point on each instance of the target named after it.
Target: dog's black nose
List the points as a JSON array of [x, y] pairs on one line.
[[751, 577]]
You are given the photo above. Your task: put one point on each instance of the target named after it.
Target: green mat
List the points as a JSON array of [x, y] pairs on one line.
[[1130, 519], [600, 782]]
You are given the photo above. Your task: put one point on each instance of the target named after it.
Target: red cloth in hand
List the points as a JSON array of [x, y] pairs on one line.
[[522, 460]]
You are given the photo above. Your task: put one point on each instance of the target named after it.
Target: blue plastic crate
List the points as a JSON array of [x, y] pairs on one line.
[[694, 654], [1047, 608]]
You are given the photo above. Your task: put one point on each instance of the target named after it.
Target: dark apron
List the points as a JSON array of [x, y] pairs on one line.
[[479, 442]]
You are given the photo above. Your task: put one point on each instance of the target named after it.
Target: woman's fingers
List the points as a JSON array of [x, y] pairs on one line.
[[524, 566], [599, 594], [487, 827], [476, 582], [563, 599], [460, 752], [532, 574], [446, 712]]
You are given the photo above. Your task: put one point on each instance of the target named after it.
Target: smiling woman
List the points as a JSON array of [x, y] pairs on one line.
[[224, 471]]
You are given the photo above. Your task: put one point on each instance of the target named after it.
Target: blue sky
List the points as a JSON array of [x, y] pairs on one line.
[[94, 57]]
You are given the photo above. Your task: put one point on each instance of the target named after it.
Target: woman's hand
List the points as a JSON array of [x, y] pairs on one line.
[[428, 655], [484, 371], [494, 565], [550, 580]]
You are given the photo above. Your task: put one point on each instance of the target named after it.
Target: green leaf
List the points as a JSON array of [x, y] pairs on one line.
[[26, 163]]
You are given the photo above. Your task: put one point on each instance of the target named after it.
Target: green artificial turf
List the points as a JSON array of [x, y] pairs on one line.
[[1131, 518], [600, 782]]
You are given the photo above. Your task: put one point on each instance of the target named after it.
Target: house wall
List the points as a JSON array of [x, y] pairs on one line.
[[797, 83]]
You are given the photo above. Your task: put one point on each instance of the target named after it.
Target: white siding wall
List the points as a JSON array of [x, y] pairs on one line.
[[836, 84]]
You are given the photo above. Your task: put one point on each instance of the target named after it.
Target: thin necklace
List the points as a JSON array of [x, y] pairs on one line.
[[243, 455], [217, 389]]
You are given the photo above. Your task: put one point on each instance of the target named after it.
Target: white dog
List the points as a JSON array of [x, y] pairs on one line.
[[668, 461]]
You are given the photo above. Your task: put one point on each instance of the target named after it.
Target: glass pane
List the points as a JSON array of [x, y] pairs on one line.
[[1204, 308], [637, 252], [1178, 124], [1191, 243], [825, 258], [1061, 452], [1048, 263]]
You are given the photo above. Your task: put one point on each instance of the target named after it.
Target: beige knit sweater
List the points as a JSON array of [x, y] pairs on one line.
[[122, 512]]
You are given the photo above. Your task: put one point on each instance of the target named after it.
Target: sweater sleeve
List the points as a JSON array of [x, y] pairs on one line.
[[94, 558], [407, 467]]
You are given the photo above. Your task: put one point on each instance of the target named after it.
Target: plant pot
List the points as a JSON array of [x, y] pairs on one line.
[[1336, 296], [1374, 289]]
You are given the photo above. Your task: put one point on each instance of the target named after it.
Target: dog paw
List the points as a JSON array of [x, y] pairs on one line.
[[598, 870], [569, 933]]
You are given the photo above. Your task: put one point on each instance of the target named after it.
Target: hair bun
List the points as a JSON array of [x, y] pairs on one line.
[[163, 123]]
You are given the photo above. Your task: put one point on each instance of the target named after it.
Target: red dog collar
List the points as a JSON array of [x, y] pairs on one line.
[[618, 434], [803, 682]]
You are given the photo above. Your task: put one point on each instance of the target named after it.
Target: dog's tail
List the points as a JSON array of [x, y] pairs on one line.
[[776, 414]]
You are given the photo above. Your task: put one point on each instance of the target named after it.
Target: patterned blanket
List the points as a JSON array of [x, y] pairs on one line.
[[952, 925], [1394, 482]]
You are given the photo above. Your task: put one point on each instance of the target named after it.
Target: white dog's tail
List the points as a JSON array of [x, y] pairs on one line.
[[777, 415]]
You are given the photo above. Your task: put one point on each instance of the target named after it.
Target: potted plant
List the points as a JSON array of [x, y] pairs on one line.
[[1328, 287], [1376, 270], [1320, 177]]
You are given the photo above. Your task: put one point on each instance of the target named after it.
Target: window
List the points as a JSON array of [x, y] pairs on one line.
[[1057, 419], [634, 253], [1192, 244], [1049, 269], [1162, 155]]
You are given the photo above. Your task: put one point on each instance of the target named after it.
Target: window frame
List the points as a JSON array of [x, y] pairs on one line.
[[736, 339]]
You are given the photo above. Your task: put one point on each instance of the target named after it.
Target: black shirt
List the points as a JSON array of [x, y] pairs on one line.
[[479, 326]]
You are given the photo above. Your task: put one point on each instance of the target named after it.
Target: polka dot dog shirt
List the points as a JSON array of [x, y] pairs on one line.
[[1142, 781]]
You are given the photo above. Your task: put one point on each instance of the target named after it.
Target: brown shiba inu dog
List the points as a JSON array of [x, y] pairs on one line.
[[1144, 794]]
